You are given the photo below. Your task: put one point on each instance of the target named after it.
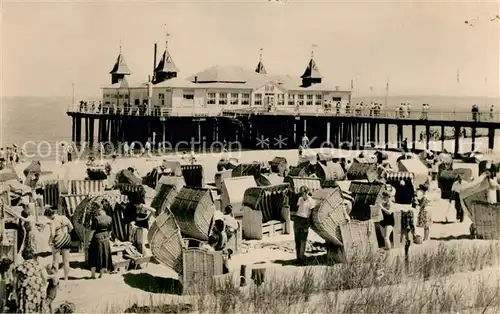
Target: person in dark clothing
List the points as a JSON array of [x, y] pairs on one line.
[[219, 233], [99, 247], [388, 222], [405, 145]]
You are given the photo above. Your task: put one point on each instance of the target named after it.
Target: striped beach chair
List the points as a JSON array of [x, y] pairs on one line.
[[69, 204], [85, 187]]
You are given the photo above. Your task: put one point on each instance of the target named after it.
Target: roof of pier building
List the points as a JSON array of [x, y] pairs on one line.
[[120, 66], [236, 77]]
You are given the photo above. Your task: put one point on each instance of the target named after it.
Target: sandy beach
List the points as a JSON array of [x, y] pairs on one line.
[[157, 281]]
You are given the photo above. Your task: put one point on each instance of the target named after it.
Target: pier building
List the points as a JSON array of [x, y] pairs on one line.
[[232, 103]]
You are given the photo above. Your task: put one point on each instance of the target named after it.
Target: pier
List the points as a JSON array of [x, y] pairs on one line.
[[252, 127]]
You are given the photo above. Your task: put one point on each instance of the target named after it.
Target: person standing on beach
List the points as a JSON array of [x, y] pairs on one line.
[[388, 222], [60, 238], [305, 141], [301, 223], [455, 189], [132, 149], [424, 214], [99, 247], [125, 149], [148, 148]]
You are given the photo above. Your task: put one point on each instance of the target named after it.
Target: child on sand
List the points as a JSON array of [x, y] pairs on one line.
[[53, 285]]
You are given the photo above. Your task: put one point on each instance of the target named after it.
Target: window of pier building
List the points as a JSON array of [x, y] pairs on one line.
[[258, 99], [300, 98], [188, 95], [318, 100], [211, 98], [161, 98], [281, 99], [222, 98], [291, 99], [234, 98], [309, 100], [245, 99]]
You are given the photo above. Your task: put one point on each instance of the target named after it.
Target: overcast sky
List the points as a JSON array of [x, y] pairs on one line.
[[418, 45]]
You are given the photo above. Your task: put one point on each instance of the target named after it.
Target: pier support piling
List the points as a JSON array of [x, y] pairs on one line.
[[427, 136], [386, 135], [413, 136], [456, 136], [491, 139], [91, 133], [442, 137], [473, 138]]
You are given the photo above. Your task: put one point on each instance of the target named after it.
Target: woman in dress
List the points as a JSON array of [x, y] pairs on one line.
[[424, 214], [388, 222], [99, 246]]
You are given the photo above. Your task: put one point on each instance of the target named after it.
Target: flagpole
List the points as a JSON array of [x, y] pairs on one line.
[[386, 93], [459, 91]]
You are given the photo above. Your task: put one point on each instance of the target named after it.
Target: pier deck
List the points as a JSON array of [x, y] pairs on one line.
[[196, 127]]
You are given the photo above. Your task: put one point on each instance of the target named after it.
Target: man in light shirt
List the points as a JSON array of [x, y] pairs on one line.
[[301, 224]]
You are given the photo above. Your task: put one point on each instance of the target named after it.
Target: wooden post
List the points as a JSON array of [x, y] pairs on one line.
[[473, 135], [457, 138], [491, 138], [427, 136], [442, 137], [386, 135], [413, 136]]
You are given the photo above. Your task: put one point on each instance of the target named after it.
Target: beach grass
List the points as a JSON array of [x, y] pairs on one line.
[[447, 278]]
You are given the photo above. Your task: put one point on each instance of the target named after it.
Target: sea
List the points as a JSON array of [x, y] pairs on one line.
[[38, 124]]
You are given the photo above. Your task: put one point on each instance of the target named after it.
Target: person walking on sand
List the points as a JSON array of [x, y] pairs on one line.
[[301, 223]]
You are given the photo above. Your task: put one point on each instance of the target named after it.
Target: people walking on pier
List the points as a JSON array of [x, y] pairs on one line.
[[475, 113], [301, 224], [492, 110], [338, 106], [348, 108], [425, 110], [408, 110]]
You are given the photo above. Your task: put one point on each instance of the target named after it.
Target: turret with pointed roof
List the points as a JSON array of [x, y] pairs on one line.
[[311, 74], [166, 68], [120, 69], [260, 66]]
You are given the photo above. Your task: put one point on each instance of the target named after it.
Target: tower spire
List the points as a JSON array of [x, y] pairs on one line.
[[260, 66]]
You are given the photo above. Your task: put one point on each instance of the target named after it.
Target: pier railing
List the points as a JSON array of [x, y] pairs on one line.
[[284, 110]]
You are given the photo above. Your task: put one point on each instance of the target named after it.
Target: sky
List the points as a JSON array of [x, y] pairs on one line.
[[417, 46]]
